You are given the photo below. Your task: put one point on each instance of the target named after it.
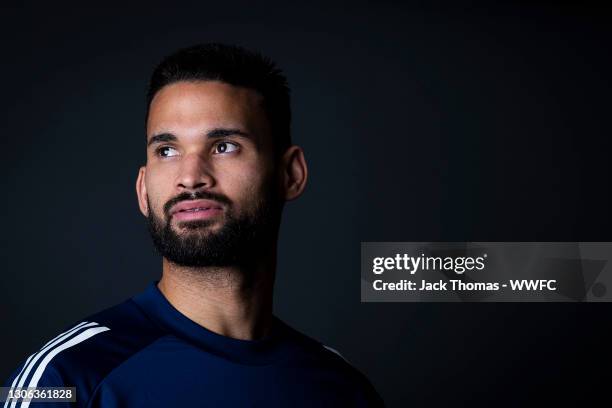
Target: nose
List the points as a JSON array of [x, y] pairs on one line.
[[194, 173]]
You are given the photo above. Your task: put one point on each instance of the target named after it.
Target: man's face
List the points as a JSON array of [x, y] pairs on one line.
[[209, 188]]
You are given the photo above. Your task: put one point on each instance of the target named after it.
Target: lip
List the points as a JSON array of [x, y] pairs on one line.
[[195, 210]]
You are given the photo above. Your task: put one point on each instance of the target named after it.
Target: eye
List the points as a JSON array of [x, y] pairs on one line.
[[166, 151], [225, 147]]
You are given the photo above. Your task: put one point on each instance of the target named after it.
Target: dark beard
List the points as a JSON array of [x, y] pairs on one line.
[[236, 243]]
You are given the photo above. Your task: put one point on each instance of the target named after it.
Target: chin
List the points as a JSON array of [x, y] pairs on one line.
[[196, 226]]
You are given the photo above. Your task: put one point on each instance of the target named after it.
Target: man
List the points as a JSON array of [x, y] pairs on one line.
[[220, 166]]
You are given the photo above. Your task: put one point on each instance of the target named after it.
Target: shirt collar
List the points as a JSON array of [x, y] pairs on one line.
[[277, 345]]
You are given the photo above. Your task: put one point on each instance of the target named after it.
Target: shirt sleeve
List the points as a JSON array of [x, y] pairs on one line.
[[21, 377]]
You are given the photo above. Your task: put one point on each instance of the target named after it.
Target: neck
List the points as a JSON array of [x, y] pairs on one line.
[[231, 301]]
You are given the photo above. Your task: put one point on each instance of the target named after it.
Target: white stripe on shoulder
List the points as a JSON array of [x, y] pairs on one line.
[[46, 348], [29, 362], [72, 342], [61, 334], [336, 352]]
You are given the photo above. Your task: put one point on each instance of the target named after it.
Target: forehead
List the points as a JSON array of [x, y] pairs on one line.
[[201, 105]]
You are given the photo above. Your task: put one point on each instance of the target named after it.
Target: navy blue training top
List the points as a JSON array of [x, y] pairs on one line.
[[145, 353]]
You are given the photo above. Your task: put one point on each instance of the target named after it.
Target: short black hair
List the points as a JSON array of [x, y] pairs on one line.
[[236, 66]]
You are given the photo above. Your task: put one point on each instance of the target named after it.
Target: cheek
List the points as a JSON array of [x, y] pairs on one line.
[[157, 186], [244, 185], [240, 184]]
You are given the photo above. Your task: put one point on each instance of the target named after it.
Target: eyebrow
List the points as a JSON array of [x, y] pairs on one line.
[[211, 134]]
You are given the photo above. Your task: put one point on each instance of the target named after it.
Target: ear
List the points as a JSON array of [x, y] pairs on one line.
[[294, 173], [141, 192]]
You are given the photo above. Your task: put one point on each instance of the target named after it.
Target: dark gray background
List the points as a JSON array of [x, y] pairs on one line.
[[433, 122]]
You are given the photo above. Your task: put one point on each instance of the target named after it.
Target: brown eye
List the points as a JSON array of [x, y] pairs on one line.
[[225, 147], [166, 151]]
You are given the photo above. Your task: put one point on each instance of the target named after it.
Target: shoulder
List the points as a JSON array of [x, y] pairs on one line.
[[363, 388], [333, 365], [85, 352]]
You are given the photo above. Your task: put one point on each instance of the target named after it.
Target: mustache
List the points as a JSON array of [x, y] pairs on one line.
[[196, 195]]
